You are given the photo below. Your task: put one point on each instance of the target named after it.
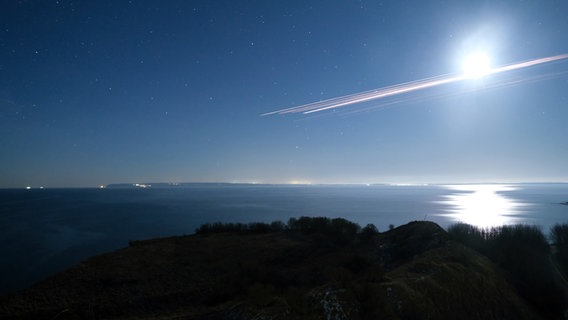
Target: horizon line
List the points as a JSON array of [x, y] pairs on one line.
[[302, 183]]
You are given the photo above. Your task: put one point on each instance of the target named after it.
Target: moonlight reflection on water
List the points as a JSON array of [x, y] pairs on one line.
[[482, 205]]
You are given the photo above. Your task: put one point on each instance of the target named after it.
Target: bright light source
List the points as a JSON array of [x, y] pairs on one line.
[[482, 205], [476, 65]]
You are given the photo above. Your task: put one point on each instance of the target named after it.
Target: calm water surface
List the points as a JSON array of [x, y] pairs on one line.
[[45, 231]]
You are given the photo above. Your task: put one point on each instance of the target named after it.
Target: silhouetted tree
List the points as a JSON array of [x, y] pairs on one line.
[[559, 238], [369, 234], [523, 252]]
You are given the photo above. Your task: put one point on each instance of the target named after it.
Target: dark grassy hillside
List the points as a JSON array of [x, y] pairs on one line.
[[310, 268], [524, 255]]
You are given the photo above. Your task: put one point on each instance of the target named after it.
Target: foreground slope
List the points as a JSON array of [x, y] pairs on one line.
[[411, 272]]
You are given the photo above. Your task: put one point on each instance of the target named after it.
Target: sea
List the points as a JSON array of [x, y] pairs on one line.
[[44, 231]]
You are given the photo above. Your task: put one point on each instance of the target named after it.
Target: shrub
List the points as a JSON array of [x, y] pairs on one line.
[[369, 234], [277, 226], [259, 227], [522, 251], [337, 230], [469, 235], [559, 237], [253, 227]]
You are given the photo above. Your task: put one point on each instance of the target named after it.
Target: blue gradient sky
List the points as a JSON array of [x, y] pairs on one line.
[[99, 92]]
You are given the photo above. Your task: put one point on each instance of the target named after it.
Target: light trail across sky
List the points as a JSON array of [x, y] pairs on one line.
[[403, 88]]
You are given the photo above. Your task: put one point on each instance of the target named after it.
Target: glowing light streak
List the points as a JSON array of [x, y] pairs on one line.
[[500, 84], [403, 88]]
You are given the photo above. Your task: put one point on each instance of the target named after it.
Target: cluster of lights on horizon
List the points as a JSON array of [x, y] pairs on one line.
[[482, 205]]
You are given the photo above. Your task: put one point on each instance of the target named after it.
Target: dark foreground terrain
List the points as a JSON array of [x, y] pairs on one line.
[[311, 268]]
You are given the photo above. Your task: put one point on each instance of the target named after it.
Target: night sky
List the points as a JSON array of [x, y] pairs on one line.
[[100, 92]]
